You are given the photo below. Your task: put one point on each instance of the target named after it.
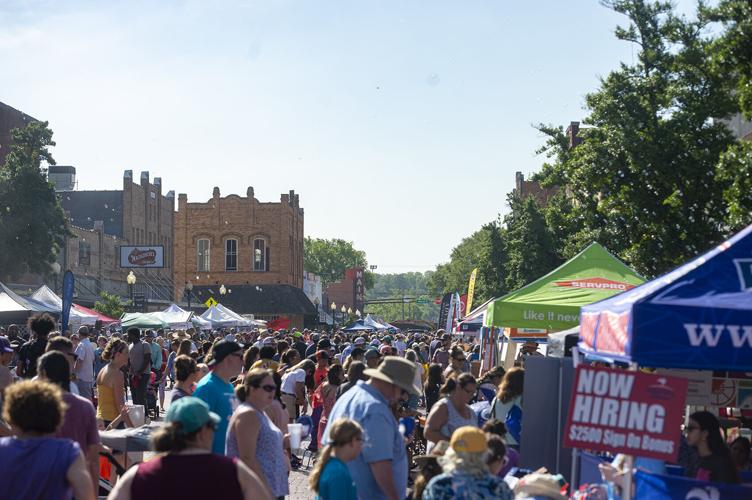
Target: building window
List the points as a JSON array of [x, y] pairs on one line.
[[231, 255], [202, 255], [84, 254], [260, 254]]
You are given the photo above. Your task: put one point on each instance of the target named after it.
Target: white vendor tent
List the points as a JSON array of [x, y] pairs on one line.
[[222, 317], [176, 317], [50, 299]]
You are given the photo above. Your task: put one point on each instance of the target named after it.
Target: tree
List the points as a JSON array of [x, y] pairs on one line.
[[643, 178], [413, 284], [530, 251], [110, 305], [330, 258], [484, 249], [731, 52], [32, 223]]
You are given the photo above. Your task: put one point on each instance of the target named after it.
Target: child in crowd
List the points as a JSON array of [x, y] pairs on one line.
[[330, 477]]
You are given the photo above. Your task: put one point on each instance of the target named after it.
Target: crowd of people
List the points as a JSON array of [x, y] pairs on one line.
[[236, 403]]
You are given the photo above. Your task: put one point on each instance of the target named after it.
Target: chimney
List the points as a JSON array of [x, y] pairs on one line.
[[215, 192], [158, 182], [519, 178], [573, 131], [249, 193], [145, 177], [128, 174]]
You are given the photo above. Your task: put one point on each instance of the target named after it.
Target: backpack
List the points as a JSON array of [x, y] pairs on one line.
[[512, 420]]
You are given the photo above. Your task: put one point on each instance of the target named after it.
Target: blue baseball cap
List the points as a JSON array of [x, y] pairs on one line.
[[192, 413]]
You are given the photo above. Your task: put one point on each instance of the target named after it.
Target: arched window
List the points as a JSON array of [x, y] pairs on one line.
[[231, 255], [260, 255], [202, 255]]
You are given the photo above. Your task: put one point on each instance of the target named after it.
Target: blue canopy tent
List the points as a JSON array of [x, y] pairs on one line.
[[698, 316], [358, 326]]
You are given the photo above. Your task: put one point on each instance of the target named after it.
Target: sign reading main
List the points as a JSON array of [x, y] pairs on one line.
[[628, 412], [142, 256]]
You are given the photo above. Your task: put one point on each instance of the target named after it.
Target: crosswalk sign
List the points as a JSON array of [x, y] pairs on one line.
[[210, 302]]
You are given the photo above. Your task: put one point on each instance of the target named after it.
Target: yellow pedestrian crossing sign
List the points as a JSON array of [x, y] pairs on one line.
[[210, 302]]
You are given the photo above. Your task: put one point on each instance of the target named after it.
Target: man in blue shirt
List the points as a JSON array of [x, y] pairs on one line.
[[215, 389], [380, 470]]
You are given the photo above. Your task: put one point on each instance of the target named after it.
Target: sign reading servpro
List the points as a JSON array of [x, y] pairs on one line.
[[626, 412], [595, 284]]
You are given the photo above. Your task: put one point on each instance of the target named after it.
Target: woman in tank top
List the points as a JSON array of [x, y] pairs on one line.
[[253, 437], [188, 469], [111, 386], [453, 411]]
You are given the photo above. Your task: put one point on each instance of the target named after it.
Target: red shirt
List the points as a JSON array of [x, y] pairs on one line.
[[319, 375]]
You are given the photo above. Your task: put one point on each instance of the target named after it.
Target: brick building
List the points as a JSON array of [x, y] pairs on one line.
[[102, 221], [349, 292], [532, 188], [235, 240], [10, 118]]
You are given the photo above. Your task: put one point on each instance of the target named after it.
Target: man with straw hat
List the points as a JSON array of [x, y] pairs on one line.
[[380, 471]]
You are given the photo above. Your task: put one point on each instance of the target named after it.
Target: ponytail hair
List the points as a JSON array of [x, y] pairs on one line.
[[252, 379], [341, 432], [453, 382], [170, 439]]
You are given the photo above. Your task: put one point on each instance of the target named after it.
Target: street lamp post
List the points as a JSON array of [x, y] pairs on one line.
[[343, 309], [357, 313], [55, 272], [333, 307], [222, 290], [131, 279], [189, 289]]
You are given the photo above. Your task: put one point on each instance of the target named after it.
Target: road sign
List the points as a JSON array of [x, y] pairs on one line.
[[422, 300], [210, 302]]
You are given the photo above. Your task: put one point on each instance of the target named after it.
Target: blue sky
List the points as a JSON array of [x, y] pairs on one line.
[[400, 123]]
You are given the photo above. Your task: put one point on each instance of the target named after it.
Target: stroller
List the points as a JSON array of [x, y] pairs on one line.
[[152, 389]]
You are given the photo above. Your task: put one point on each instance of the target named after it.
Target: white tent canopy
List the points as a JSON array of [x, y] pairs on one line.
[[221, 317], [50, 299], [176, 317], [11, 302]]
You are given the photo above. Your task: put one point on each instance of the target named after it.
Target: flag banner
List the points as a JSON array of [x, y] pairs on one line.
[[629, 412], [68, 286], [471, 291], [659, 487], [444, 310]]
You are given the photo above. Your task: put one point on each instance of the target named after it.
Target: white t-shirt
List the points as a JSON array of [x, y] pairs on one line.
[[400, 346], [419, 375], [289, 380], [85, 353]]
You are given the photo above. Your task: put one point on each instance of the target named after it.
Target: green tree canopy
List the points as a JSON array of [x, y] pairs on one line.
[[330, 258], [32, 224], [111, 305]]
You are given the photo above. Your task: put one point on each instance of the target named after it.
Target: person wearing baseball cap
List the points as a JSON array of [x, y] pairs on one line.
[[380, 470], [372, 357], [186, 442], [466, 473], [225, 360]]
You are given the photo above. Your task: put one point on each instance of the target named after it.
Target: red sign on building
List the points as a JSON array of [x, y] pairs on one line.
[[595, 283], [628, 412]]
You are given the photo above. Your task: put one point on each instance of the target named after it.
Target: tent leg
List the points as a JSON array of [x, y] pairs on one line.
[[510, 355]]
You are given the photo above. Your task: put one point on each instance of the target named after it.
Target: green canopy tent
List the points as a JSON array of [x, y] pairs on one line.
[[553, 301], [141, 320]]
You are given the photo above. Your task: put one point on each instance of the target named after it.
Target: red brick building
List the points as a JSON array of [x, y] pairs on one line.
[[349, 292], [235, 240]]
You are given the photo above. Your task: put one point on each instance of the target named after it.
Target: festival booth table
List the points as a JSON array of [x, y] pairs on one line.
[[552, 303], [49, 298], [698, 317]]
